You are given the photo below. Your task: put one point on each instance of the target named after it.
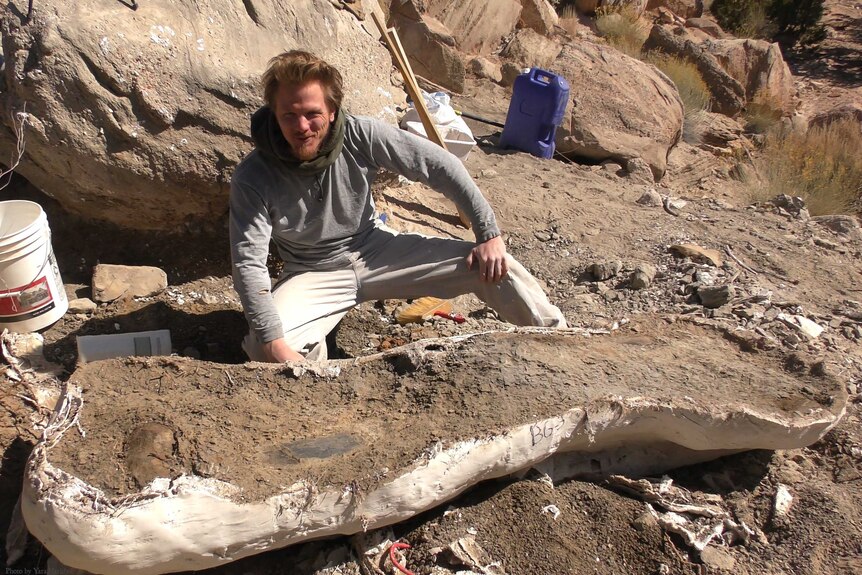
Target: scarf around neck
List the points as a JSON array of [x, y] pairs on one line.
[[268, 138]]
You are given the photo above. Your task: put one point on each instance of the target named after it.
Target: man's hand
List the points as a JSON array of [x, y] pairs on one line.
[[491, 257], [277, 351]]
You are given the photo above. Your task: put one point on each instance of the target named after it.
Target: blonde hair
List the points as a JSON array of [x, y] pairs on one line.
[[297, 67]]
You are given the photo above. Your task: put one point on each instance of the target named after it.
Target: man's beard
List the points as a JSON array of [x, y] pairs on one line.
[[310, 148]]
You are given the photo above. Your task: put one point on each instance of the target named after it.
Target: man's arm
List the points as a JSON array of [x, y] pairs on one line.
[[250, 231], [421, 160]]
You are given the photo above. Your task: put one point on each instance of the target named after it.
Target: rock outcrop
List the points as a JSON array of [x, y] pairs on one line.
[[850, 111], [620, 108], [760, 69], [430, 46], [728, 95], [477, 25], [682, 8], [707, 26], [590, 6], [528, 48], [139, 117], [539, 15]]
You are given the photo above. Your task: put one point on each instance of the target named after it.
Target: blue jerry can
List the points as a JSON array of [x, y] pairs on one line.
[[537, 106]]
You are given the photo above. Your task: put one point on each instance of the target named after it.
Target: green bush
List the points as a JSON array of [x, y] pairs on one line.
[[788, 21]]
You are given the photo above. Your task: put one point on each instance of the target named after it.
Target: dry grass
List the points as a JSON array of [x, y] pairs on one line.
[[692, 89], [762, 114], [623, 28], [569, 20], [689, 83], [822, 166]]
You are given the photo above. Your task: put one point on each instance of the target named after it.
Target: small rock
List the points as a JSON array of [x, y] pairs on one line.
[[715, 296], [485, 68], [704, 278], [828, 245], [642, 277], [605, 270], [650, 198], [113, 281], [611, 167], [489, 173], [809, 328], [637, 169], [645, 522], [82, 305], [697, 254], [718, 558], [845, 225], [542, 236]]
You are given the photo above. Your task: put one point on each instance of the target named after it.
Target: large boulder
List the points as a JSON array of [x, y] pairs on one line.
[[478, 25], [726, 92], [707, 26], [620, 108], [846, 112], [761, 70], [138, 117], [529, 48], [683, 8], [539, 15], [430, 46]]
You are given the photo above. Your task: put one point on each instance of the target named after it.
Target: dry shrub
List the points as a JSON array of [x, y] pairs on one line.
[[689, 83], [763, 113], [569, 19], [623, 28], [692, 89], [823, 166]]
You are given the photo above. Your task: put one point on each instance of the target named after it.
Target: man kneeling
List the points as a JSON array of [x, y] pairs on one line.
[[307, 186]]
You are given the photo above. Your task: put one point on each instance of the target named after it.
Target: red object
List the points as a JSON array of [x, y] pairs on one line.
[[456, 317], [394, 561]]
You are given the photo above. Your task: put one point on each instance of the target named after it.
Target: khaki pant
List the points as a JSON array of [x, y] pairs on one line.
[[399, 266]]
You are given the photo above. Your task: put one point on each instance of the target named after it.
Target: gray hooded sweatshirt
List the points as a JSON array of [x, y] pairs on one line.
[[317, 221]]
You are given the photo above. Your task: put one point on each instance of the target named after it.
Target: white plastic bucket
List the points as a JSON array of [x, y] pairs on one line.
[[31, 290]]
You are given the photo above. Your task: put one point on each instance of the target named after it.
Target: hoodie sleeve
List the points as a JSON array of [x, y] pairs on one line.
[[250, 232], [421, 160]]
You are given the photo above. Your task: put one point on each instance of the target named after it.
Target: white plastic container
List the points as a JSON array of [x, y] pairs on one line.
[[31, 290], [139, 343], [457, 142]]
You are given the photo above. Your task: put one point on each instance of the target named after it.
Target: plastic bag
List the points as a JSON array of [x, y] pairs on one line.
[[452, 127]]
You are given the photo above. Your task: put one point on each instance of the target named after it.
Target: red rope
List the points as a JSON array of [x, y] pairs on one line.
[[394, 561]]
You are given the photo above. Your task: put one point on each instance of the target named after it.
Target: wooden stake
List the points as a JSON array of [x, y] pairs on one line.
[[393, 42]]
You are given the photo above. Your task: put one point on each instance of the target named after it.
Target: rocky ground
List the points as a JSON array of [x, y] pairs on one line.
[[584, 231]]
